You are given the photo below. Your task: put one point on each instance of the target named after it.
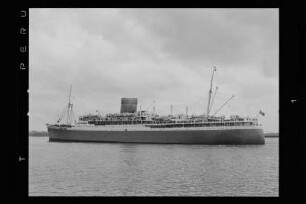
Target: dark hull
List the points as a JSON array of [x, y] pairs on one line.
[[210, 137]]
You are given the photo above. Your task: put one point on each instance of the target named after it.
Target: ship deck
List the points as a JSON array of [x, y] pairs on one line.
[[146, 128]]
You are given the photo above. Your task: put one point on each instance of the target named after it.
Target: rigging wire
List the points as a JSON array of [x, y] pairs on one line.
[[72, 113], [62, 115]]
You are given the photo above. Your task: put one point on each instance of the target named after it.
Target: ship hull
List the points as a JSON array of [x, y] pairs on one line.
[[234, 136]]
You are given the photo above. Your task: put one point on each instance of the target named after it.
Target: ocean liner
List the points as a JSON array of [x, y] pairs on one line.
[[138, 126]]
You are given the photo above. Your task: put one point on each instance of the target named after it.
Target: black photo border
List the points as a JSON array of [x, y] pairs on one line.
[[291, 90]]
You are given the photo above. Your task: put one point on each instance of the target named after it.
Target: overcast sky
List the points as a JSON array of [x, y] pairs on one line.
[[166, 55]]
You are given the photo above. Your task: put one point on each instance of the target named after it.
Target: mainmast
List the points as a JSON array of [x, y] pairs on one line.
[[70, 94], [210, 91]]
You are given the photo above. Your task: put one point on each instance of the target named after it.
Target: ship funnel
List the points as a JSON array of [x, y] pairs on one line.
[[128, 105]]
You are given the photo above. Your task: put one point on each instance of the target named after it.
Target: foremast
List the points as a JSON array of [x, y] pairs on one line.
[[210, 92], [68, 112]]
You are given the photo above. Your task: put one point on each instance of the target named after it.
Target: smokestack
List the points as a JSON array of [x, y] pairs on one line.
[[128, 105], [171, 109], [187, 111]]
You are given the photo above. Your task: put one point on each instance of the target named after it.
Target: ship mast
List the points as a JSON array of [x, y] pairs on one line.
[[69, 108], [210, 91], [213, 99]]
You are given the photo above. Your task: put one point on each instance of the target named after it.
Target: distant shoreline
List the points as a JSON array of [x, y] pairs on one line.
[[38, 134], [274, 134], [45, 134]]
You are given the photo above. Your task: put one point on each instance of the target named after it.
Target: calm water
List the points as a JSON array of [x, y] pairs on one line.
[[100, 169]]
